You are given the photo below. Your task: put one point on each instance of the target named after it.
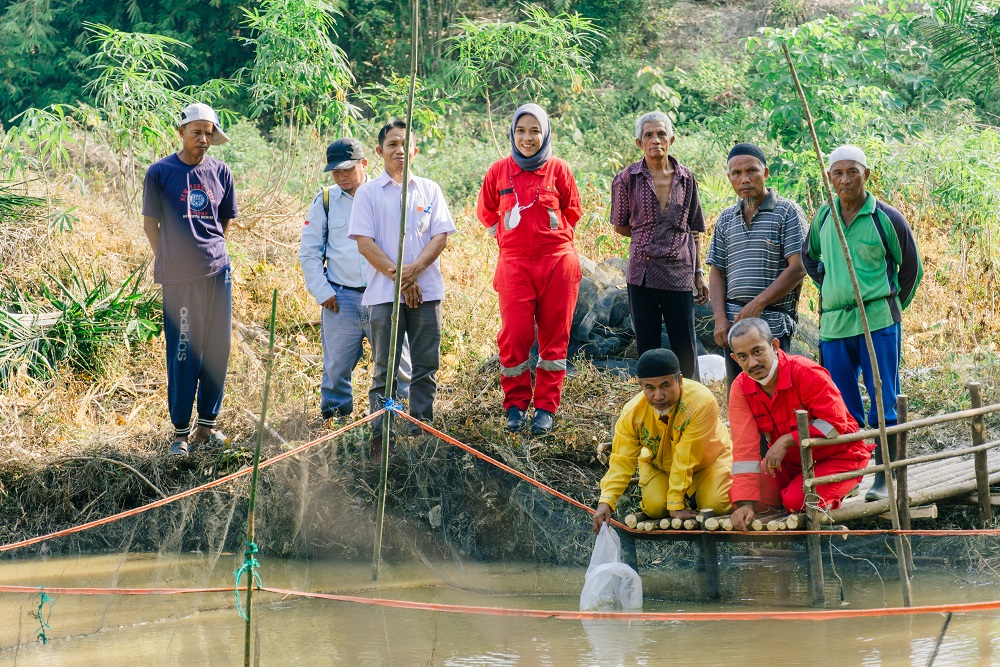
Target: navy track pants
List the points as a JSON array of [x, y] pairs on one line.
[[197, 318]]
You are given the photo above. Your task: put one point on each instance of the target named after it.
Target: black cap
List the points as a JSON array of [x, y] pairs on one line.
[[657, 363], [344, 153], [747, 149]]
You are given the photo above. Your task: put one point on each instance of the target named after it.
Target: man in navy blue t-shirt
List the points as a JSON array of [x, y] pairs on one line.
[[188, 201]]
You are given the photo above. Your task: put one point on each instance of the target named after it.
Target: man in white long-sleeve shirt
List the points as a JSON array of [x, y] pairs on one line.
[[336, 275]]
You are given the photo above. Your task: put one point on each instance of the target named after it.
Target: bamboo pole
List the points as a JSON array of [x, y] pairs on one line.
[[926, 458], [876, 376], [917, 497], [902, 479], [251, 508], [981, 464], [813, 544], [397, 291], [899, 428]]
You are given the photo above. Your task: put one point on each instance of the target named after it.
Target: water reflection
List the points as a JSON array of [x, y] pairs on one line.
[[205, 629]]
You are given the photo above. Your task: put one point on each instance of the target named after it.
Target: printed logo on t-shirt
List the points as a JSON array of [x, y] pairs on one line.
[[199, 199]]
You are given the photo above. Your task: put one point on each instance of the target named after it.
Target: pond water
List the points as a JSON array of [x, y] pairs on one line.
[[204, 629]]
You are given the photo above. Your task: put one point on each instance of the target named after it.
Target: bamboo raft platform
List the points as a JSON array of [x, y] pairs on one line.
[[962, 475]]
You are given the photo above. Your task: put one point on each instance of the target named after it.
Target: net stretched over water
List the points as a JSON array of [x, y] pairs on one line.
[[483, 563]]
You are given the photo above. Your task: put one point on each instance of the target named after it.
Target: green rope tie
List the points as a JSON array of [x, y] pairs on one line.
[[43, 616], [250, 565]]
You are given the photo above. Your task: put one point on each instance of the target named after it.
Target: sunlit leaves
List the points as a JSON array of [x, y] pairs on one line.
[[297, 68], [509, 61]]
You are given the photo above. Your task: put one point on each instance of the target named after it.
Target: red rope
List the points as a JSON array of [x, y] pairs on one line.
[[570, 615], [184, 494], [560, 614], [475, 452], [558, 494]]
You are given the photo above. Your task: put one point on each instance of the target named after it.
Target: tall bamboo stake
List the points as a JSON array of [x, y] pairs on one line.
[[876, 376], [253, 478], [394, 324]]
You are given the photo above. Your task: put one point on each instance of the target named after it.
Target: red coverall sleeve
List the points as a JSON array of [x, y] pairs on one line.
[[488, 206], [746, 448], [828, 416], [569, 196]]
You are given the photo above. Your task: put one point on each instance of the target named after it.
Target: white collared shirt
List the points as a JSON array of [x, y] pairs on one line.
[[376, 215], [324, 237]]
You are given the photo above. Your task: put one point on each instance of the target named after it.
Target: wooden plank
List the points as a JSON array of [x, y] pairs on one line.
[[982, 465], [814, 546], [922, 512]]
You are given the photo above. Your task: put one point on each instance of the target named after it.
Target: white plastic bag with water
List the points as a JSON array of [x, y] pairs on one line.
[[611, 585]]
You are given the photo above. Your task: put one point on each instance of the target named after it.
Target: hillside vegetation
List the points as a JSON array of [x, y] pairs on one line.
[[86, 111]]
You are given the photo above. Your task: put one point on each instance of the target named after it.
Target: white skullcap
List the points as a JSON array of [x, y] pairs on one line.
[[847, 152]]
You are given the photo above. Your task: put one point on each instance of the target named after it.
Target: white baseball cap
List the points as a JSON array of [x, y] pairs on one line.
[[199, 111]]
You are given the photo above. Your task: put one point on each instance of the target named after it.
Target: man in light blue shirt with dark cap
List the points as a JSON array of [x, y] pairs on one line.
[[336, 275]]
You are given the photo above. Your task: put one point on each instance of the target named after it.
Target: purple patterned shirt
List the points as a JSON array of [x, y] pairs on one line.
[[661, 253]]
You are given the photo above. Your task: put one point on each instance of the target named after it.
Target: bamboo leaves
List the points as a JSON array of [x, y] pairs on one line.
[[298, 73]]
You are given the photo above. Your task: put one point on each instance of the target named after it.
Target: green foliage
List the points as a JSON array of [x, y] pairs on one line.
[[388, 99], [15, 206], [965, 35], [39, 140], [298, 74], [520, 59], [62, 221], [77, 321]]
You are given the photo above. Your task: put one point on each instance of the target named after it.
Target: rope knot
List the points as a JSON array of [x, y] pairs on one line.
[[392, 405], [43, 617], [249, 566]]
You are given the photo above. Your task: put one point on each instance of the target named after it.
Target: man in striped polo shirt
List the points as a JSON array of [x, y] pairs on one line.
[[756, 266], [887, 263]]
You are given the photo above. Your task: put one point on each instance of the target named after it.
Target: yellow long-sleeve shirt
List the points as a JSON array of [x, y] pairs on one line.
[[688, 438]]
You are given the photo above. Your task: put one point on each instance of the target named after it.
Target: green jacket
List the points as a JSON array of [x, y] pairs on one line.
[[887, 264]]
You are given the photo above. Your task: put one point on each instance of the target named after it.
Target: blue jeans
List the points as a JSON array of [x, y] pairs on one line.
[[847, 358], [343, 333]]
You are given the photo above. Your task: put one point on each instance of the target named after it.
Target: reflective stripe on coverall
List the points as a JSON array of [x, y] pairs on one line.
[[538, 275], [802, 385]]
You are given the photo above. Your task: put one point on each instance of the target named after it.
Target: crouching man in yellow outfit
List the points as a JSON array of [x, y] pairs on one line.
[[673, 431]]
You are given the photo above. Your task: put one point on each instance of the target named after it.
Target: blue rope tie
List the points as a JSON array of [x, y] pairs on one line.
[[250, 565], [392, 405], [43, 617]]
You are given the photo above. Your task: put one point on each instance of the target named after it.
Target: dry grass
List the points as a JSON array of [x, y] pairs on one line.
[[949, 339]]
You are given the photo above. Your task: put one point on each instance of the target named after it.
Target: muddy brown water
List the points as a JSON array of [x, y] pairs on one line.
[[205, 629]]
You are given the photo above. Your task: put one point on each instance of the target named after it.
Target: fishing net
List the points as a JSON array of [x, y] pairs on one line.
[[483, 560]]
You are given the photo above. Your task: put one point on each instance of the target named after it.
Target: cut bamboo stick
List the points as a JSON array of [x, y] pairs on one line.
[[795, 521], [922, 512], [712, 523], [677, 524], [631, 520], [690, 524], [665, 524], [726, 523]]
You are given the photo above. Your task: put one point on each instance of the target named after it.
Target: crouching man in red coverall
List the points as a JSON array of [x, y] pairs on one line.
[[530, 202], [762, 402]]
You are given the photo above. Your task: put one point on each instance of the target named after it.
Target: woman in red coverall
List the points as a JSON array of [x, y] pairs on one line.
[[530, 202]]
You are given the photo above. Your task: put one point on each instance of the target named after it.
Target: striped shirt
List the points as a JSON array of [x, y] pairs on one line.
[[753, 256]]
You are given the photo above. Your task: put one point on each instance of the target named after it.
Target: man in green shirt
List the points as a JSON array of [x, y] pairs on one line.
[[888, 267]]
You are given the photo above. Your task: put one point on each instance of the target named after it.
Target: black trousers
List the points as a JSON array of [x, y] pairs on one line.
[[654, 308], [733, 369]]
